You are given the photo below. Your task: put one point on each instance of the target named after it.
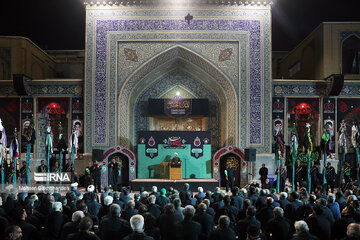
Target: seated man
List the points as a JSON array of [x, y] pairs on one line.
[[175, 161]]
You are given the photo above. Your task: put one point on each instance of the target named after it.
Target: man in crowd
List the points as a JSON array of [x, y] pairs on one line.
[[263, 172]]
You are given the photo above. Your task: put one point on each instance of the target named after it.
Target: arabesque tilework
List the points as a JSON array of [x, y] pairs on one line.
[[153, 37]]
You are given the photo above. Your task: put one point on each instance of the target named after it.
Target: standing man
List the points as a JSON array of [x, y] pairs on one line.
[[263, 172], [298, 175], [175, 161], [42, 168], [347, 173], [96, 175], [282, 177], [330, 176], [68, 167], [229, 176], [23, 173], [314, 173]]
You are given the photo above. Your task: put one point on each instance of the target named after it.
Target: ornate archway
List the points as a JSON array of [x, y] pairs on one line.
[[146, 74], [222, 152], [116, 150]]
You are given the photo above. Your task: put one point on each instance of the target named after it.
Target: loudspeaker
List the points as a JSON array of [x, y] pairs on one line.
[[20, 84], [334, 84], [97, 155], [250, 154]]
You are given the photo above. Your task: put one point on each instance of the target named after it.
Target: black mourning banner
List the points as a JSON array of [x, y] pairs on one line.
[[174, 140], [177, 107]]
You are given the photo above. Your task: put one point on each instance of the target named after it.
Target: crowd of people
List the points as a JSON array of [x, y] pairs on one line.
[[247, 213]]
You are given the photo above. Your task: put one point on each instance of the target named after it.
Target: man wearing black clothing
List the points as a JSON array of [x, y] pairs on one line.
[[283, 200], [175, 161], [340, 225], [242, 225], [42, 168], [224, 232], [265, 213], [278, 228], [209, 210], [314, 173], [184, 193], [291, 210], [282, 177], [188, 229], [229, 176], [302, 232], [206, 221], [319, 226], [167, 222], [236, 199], [263, 172], [137, 225], [55, 221], [84, 233], [28, 230], [298, 175], [112, 226], [96, 175], [330, 176], [153, 208], [227, 210]]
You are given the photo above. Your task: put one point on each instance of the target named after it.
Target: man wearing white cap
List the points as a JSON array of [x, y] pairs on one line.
[[55, 221], [74, 188], [175, 162]]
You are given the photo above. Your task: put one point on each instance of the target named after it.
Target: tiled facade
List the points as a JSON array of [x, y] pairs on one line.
[[128, 48]]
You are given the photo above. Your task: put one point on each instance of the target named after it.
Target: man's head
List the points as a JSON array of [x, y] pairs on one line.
[[19, 213], [85, 224], [224, 221], [353, 231], [42, 162], [152, 199], [169, 208], [301, 226], [263, 165], [13, 232], [189, 211], [115, 210], [251, 211], [57, 207], [253, 232], [175, 154], [163, 192], [108, 200], [77, 216], [278, 212], [137, 223], [331, 198]]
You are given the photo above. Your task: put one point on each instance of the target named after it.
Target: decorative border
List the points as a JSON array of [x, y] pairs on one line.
[[308, 88], [258, 56], [221, 152], [123, 150]]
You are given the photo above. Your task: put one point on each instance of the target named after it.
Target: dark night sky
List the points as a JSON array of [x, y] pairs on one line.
[[60, 24]]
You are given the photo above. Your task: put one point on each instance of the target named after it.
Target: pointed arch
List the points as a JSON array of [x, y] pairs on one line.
[[350, 51], [221, 152], [114, 150], [148, 72]]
